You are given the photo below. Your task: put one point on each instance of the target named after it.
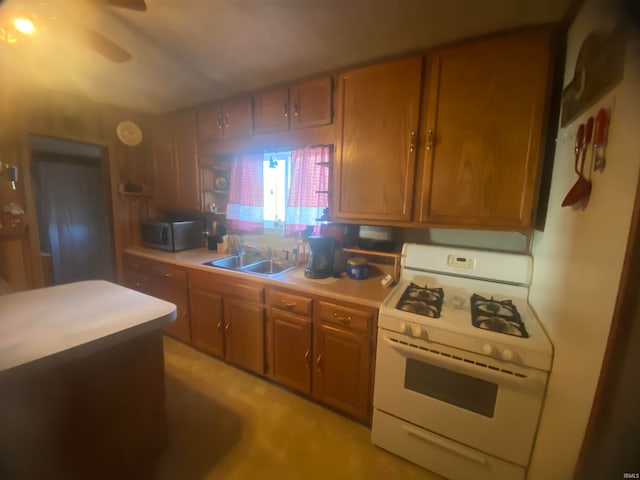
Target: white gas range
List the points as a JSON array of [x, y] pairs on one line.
[[462, 363]]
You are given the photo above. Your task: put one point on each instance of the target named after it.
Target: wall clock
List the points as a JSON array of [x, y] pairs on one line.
[[129, 133]]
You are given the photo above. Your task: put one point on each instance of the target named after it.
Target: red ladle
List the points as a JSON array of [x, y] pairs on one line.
[[582, 187]]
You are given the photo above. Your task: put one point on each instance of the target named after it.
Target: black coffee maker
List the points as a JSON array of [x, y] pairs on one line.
[[321, 258]]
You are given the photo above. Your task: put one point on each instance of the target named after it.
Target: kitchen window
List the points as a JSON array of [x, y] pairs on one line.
[[279, 192]]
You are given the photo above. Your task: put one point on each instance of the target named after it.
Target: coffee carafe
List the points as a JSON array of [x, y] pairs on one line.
[[321, 258]]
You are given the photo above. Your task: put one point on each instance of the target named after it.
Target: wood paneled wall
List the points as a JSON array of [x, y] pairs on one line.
[[76, 119]]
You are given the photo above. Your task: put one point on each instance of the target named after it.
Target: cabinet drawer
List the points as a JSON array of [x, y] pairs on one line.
[[135, 263], [346, 317], [210, 282], [169, 272], [289, 302]]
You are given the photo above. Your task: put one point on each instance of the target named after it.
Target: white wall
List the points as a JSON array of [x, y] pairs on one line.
[[578, 258]]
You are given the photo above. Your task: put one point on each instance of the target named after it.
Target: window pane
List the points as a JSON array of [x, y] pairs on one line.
[[276, 167]]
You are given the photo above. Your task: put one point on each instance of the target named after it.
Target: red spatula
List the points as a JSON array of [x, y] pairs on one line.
[[582, 187]]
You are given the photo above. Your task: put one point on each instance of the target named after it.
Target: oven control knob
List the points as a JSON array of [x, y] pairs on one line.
[[402, 327], [416, 331], [488, 349], [507, 354]]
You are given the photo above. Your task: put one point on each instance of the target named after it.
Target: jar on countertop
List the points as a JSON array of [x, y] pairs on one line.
[[357, 268]]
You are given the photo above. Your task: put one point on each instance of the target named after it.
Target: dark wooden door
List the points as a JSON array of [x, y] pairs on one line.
[[244, 334], [342, 372], [271, 110], [186, 159], [486, 105], [377, 138], [290, 337], [207, 321], [237, 118], [164, 164], [176, 293], [311, 103]]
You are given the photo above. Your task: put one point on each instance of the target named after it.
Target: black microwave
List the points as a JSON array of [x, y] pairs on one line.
[[171, 236]]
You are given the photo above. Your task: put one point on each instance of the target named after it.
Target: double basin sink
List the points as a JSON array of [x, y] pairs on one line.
[[257, 266]]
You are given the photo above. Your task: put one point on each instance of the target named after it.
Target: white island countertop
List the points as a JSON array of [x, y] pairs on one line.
[[55, 324]]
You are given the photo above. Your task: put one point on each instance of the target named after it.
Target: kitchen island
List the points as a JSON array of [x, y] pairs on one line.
[[81, 382]]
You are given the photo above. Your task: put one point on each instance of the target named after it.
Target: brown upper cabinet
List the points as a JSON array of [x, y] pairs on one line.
[[311, 103], [225, 120], [377, 129], [176, 162], [271, 110], [482, 131]]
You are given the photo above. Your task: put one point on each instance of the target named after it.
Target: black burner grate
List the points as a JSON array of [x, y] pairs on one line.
[[422, 300], [497, 315]]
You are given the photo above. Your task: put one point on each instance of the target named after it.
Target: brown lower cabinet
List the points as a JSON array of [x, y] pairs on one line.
[[313, 345], [323, 349], [227, 318], [165, 281]]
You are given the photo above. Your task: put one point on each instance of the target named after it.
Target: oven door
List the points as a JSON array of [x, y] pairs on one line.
[[476, 400]]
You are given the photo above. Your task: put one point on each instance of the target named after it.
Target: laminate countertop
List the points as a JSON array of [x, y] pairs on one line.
[[369, 292], [54, 324]]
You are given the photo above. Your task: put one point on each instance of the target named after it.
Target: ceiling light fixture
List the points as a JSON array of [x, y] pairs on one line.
[[24, 25]]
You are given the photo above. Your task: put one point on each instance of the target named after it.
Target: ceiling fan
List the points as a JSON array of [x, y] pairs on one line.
[[23, 22]]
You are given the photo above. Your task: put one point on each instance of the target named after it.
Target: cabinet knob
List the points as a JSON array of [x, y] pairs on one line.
[[220, 121], [346, 320], [227, 327], [226, 120], [219, 326], [168, 275], [295, 109], [318, 360], [290, 305], [429, 139], [286, 110], [412, 143]]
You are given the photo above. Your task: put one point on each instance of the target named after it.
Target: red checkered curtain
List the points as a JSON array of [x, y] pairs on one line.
[[245, 211], [308, 178]]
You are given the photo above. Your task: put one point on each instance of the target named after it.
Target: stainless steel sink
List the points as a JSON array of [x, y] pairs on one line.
[[252, 264], [233, 263], [268, 268]]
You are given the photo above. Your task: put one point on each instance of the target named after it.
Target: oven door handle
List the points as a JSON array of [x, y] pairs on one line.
[[467, 368], [447, 445]]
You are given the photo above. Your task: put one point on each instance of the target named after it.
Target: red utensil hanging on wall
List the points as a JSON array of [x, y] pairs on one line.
[[582, 187]]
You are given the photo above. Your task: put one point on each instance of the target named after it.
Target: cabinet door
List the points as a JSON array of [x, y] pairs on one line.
[[377, 137], [207, 321], [186, 160], [209, 125], [311, 103], [271, 110], [290, 350], [342, 370], [486, 106], [237, 118], [244, 334], [175, 293], [164, 164]]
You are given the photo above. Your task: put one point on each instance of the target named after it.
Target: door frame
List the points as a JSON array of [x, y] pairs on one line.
[[624, 324], [34, 229]]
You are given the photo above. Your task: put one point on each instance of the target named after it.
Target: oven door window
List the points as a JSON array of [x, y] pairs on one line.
[[454, 388]]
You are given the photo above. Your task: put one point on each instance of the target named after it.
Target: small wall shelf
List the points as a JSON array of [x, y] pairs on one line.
[[395, 256]]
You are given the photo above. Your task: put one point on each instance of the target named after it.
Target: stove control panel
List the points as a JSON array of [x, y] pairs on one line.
[[455, 261]]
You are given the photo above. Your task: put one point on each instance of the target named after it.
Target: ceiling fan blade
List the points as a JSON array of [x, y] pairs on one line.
[[138, 5], [106, 47]]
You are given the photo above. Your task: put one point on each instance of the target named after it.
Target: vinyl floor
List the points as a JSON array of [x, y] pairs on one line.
[[227, 424]]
